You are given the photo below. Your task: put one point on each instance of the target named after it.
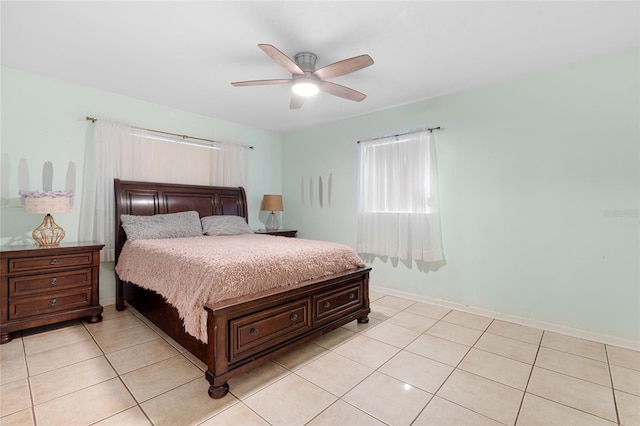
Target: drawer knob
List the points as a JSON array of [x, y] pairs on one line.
[[254, 331], [53, 302], [352, 296], [54, 261], [327, 304], [53, 282], [294, 317]]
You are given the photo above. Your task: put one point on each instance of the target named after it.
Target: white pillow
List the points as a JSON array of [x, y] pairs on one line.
[[225, 225]]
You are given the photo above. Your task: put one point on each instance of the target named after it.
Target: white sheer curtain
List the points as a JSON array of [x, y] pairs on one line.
[[398, 212], [229, 165], [121, 151]]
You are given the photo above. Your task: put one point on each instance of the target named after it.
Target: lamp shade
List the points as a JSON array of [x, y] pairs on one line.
[[272, 203], [49, 233], [47, 205]]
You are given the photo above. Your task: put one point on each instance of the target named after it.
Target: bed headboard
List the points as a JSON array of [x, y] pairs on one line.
[[149, 198]]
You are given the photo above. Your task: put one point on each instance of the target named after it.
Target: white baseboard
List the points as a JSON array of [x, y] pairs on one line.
[[573, 332], [108, 301]]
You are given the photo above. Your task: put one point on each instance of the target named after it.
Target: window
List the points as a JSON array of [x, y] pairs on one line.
[[398, 204]]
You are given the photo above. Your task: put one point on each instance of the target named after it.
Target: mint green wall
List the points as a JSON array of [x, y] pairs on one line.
[[539, 189], [539, 184], [44, 120]]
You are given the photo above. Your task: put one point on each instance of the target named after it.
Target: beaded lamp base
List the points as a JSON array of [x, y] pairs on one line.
[[49, 233]]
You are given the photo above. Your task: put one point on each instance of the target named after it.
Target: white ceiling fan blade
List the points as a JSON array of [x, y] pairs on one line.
[[343, 67], [283, 60], [296, 102], [261, 82], [342, 91]]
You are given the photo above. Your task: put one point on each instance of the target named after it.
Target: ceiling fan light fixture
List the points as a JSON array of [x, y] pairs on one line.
[[305, 86], [306, 80]]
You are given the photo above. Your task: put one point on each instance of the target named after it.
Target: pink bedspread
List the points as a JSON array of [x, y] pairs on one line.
[[190, 272]]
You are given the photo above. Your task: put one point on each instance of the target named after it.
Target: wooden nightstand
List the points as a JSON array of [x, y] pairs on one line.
[[40, 286], [291, 233]]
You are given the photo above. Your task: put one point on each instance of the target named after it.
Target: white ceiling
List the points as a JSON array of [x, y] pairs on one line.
[[185, 54]]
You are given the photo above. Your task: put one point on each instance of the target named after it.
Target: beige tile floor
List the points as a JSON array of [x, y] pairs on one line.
[[413, 364]]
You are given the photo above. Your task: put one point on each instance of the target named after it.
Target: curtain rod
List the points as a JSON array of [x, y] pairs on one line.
[[429, 129], [93, 120]]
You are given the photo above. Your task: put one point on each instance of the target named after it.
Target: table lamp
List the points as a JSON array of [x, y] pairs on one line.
[[274, 204], [49, 233]]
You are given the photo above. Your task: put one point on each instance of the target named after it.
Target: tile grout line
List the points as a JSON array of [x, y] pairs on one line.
[[361, 333], [160, 335], [28, 378], [613, 391], [104, 354], [400, 349], [572, 377], [533, 364], [26, 366], [250, 394], [376, 369], [574, 408], [240, 402], [576, 354], [456, 367], [33, 405], [450, 374], [339, 398]]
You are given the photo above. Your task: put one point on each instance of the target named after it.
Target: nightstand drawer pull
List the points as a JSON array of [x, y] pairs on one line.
[[54, 261], [294, 317], [53, 302], [327, 304], [352, 296], [53, 282], [254, 331]]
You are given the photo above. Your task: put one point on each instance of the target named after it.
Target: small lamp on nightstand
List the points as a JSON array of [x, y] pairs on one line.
[[49, 233], [274, 204]]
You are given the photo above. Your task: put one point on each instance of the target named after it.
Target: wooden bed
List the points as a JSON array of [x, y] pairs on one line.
[[246, 331]]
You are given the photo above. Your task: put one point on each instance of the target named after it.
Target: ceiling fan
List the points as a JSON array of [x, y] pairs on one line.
[[307, 80]]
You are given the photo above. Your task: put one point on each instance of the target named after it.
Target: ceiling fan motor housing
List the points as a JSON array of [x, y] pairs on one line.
[[306, 61]]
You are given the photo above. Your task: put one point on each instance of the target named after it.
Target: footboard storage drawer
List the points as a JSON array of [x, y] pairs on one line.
[[249, 330], [335, 304], [260, 331]]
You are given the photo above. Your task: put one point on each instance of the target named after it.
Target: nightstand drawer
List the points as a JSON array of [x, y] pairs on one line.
[[23, 307], [256, 332], [30, 284], [30, 264], [335, 304]]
